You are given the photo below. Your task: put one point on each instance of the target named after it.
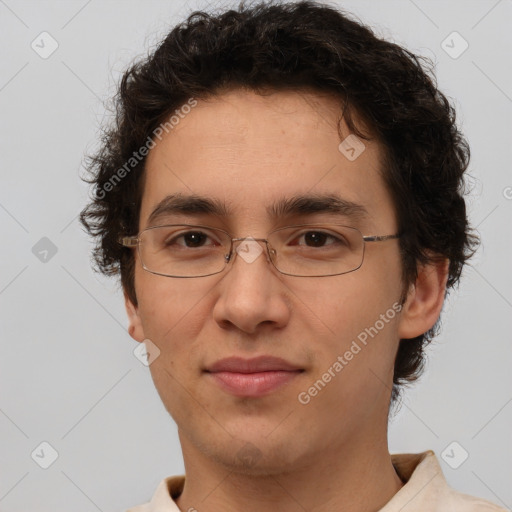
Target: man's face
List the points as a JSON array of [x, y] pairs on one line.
[[249, 152]]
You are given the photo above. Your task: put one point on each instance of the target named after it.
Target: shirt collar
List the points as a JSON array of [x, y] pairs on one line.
[[424, 486]]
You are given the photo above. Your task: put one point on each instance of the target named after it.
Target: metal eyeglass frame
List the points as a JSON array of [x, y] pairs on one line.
[[134, 242]]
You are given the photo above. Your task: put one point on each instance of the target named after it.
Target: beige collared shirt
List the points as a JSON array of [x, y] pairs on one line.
[[425, 490]]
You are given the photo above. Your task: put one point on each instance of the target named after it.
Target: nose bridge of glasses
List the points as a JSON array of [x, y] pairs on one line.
[[249, 248]]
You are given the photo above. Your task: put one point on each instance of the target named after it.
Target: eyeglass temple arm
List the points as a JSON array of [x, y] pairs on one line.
[[381, 238], [128, 241]]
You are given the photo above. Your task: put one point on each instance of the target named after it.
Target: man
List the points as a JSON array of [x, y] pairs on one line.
[[281, 196]]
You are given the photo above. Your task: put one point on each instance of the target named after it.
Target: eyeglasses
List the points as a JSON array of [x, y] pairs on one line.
[[306, 250]]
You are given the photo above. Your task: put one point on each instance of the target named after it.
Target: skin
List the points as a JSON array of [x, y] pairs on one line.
[[331, 454]]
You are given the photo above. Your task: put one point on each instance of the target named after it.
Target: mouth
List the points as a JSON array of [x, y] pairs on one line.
[[252, 377]]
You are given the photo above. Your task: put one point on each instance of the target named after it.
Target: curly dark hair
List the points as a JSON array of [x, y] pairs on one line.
[[296, 46]]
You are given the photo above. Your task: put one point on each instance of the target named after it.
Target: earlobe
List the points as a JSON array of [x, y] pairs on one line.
[[135, 329], [424, 300]]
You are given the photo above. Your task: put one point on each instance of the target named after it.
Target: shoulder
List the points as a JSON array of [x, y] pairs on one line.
[[457, 501], [163, 498], [426, 490], [140, 508]]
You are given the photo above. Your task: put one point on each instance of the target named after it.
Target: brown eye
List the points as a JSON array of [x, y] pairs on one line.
[[194, 239], [318, 239]]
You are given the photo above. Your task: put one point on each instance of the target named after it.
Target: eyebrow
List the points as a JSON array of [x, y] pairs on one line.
[[309, 204]]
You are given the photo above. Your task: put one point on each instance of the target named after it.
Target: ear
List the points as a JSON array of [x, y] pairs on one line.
[[135, 329], [424, 299]]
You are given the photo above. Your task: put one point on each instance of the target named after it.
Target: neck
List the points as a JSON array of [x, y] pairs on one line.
[[356, 477]]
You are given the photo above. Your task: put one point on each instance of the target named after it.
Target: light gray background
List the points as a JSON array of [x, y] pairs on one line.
[[68, 375]]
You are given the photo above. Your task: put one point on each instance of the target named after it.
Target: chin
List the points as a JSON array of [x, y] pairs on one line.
[[260, 455]]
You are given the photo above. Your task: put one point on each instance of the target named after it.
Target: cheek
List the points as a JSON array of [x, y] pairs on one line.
[[167, 305], [355, 316], [172, 314], [348, 303]]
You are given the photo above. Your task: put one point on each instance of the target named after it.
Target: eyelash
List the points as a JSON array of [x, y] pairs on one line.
[[171, 241]]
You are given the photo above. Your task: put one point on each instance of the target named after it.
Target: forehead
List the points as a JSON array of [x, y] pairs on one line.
[[249, 151]]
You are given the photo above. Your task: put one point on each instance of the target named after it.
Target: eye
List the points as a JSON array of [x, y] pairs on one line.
[[319, 239], [189, 239]]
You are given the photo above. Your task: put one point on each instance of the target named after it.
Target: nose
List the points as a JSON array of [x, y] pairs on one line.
[[251, 294]]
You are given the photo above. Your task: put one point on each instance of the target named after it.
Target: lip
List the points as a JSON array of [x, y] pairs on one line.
[[254, 365], [252, 377]]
